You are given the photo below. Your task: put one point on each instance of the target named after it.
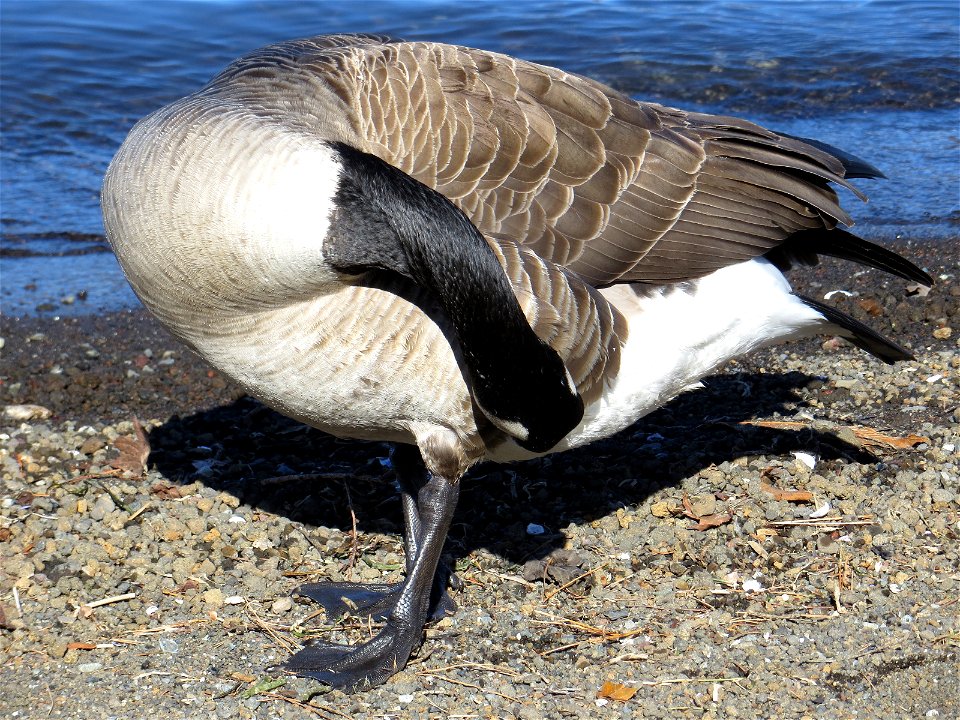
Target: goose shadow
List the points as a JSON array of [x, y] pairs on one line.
[[280, 466]]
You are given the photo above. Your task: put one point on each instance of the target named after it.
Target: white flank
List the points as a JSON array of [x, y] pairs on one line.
[[678, 336]]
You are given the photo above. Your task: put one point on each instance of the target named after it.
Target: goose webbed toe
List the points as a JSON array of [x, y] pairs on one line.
[[355, 667], [377, 600]]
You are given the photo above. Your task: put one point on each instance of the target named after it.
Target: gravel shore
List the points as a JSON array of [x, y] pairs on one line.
[[782, 543]]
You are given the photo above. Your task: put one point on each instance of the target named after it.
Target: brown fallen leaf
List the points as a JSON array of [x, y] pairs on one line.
[[875, 438], [561, 566], [660, 509], [798, 496], [134, 451], [166, 492], [868, 436], [871, 306], [710, 521], [758, 549], [616, 691]]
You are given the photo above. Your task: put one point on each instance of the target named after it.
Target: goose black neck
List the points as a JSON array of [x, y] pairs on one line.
[[385, 219]]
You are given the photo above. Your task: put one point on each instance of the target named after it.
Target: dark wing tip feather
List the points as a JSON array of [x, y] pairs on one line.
[[859, 334], [853, 166], [804, 246]]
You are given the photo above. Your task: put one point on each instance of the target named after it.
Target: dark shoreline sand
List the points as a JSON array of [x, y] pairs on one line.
[[854, 614]]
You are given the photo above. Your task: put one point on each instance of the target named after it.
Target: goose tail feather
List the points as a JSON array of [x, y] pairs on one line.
[[859, 334], [803, 247]]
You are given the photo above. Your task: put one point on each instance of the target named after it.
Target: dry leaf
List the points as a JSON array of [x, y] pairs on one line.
[[868, 436], [134, 451], [616, 691], [788, 495], [770, 472], [166, 492], [871, 306], [875, 438], [660, 509], [758, 549], [711, 521], [189, 584]]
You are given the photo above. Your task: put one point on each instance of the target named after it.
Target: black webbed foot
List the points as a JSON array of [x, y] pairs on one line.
[[429, 503], [356, 667]]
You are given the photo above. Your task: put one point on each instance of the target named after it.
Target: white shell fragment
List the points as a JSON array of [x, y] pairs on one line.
[[821, 511], [845, 293], [806, 458]]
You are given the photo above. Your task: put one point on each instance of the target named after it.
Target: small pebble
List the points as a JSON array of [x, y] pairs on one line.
[[281, 605], [26, 412]]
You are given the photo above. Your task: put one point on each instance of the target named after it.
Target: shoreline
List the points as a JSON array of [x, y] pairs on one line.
[[770, 610]]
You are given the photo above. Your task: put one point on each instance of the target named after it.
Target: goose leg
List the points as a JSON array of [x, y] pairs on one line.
[[353, 667], [376, 600]]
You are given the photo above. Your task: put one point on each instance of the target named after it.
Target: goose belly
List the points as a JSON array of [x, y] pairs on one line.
[[359, 362], [679, 334]]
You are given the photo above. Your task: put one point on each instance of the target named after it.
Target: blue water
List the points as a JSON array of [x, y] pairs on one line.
[[879, 78]]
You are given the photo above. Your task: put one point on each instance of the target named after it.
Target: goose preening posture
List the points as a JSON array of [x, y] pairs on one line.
[[475, 255]]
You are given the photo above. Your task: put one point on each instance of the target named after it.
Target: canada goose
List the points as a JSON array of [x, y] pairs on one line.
[[479, 256]]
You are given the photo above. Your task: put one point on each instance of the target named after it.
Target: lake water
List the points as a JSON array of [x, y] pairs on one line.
[[878, 78]]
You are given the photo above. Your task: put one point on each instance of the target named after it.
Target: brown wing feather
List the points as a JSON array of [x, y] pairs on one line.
[[613, 189]]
